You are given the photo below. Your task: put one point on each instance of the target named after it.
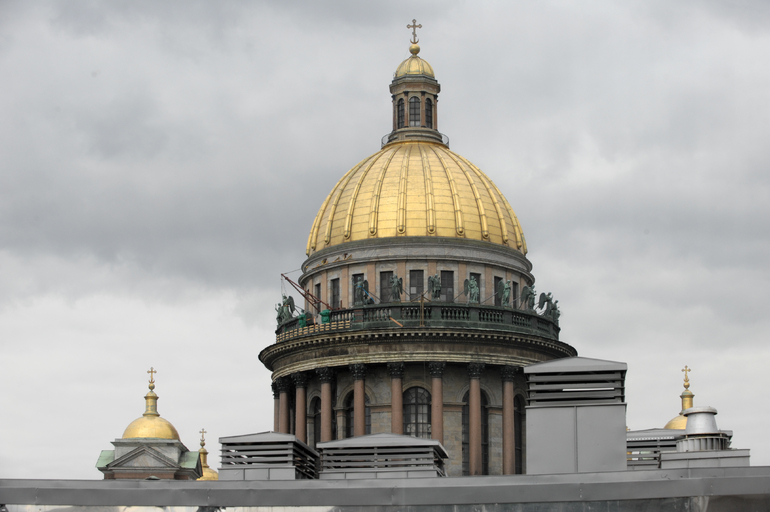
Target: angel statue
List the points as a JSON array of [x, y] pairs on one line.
[[555, 313], [545, 303], [434, 283], [396, 288], [471, 289], [285, 309], [504, 292], [528, 298], [361, 291]]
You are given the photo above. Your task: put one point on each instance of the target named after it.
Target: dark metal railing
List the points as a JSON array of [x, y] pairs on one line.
[[429, 314]]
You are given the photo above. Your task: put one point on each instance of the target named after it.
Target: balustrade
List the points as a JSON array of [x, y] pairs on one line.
[[429, 314]]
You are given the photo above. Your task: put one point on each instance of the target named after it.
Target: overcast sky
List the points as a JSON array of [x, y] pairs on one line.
[[161, 164]]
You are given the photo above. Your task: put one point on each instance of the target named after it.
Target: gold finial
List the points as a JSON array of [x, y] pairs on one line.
[[414, 26], [152, 371], [204, 453], [686, 370]]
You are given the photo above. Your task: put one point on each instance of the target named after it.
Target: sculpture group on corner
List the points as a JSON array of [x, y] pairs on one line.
[[546, 305]]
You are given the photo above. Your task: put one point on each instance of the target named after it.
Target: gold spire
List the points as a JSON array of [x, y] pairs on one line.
[[414, 49], [208, 473], [679, 422], [151, 399]]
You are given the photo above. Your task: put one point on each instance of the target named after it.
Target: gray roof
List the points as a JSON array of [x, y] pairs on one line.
[[261, 437], [576, 364]]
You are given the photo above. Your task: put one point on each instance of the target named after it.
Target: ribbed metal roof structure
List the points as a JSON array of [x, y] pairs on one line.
[[415, 189]]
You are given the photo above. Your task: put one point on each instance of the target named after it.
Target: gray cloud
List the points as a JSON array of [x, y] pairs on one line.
[[160, 166]]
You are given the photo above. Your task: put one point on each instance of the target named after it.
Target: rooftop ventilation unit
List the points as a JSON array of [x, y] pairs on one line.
[[576, 416], [267, 456], [382, 456]]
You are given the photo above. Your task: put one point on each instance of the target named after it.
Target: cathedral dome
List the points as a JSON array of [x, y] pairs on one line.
[[414, 65], [415, 189], [150, 424], [151, 427]]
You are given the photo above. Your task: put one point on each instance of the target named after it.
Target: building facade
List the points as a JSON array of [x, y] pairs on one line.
[[420, 305]]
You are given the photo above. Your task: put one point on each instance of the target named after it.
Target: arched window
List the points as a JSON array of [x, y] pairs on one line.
[[429, 113], [350, 415], [315, 408], [417, 412], [400, 113], [484, 435], [518, 436], [414, 111]]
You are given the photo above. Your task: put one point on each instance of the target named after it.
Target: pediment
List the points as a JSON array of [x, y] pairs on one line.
[[143, 457]]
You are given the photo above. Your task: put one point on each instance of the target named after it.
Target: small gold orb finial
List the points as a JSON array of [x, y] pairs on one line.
[[152, 371], [686, 370], [414, 49], [203, 438], [414, 26]]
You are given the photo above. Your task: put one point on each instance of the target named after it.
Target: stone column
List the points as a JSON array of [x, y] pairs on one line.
[[358, 371], [474, 418], [436, 370], [508, 373], [284, 386], [276, 406], [326, 376], [396, 371], [300, 405]]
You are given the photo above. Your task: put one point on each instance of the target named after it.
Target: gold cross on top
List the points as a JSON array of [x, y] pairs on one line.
[[203, 432], [414, 26], [686, 370], [152, 371]]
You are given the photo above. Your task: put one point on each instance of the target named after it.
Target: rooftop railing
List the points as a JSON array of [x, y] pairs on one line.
[[415, 315]]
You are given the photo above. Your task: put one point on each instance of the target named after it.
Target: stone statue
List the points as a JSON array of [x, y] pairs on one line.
[[545, 304], [528, 298], [471, 289], [360, 291], [434, 283], [555, 313], [504, 292], [285, 309], [396, 288]]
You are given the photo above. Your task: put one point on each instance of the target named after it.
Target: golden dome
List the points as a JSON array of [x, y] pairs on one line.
[[151, 425], [679, 422], [208, 473], [414, 65], [415, 189]]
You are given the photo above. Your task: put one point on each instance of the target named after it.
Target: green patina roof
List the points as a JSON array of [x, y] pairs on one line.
[[105, 458], [187, 460]]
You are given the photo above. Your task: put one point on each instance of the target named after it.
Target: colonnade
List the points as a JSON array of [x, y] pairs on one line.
[[298, 381]]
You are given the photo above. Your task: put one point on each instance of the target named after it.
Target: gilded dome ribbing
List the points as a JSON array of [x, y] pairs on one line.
[[414, 65], [415, 189]]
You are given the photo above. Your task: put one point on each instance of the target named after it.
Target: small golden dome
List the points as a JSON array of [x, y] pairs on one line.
[[679, 422], [151, 425], [414, 65], [415, 189], [208, 473]]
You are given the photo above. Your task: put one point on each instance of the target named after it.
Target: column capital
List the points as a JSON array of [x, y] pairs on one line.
[[508, 373], [325, 374], [358, 371], [274, 387], [475, 370], [436, 368], [300, 379], [396, 370], [283, 384]]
